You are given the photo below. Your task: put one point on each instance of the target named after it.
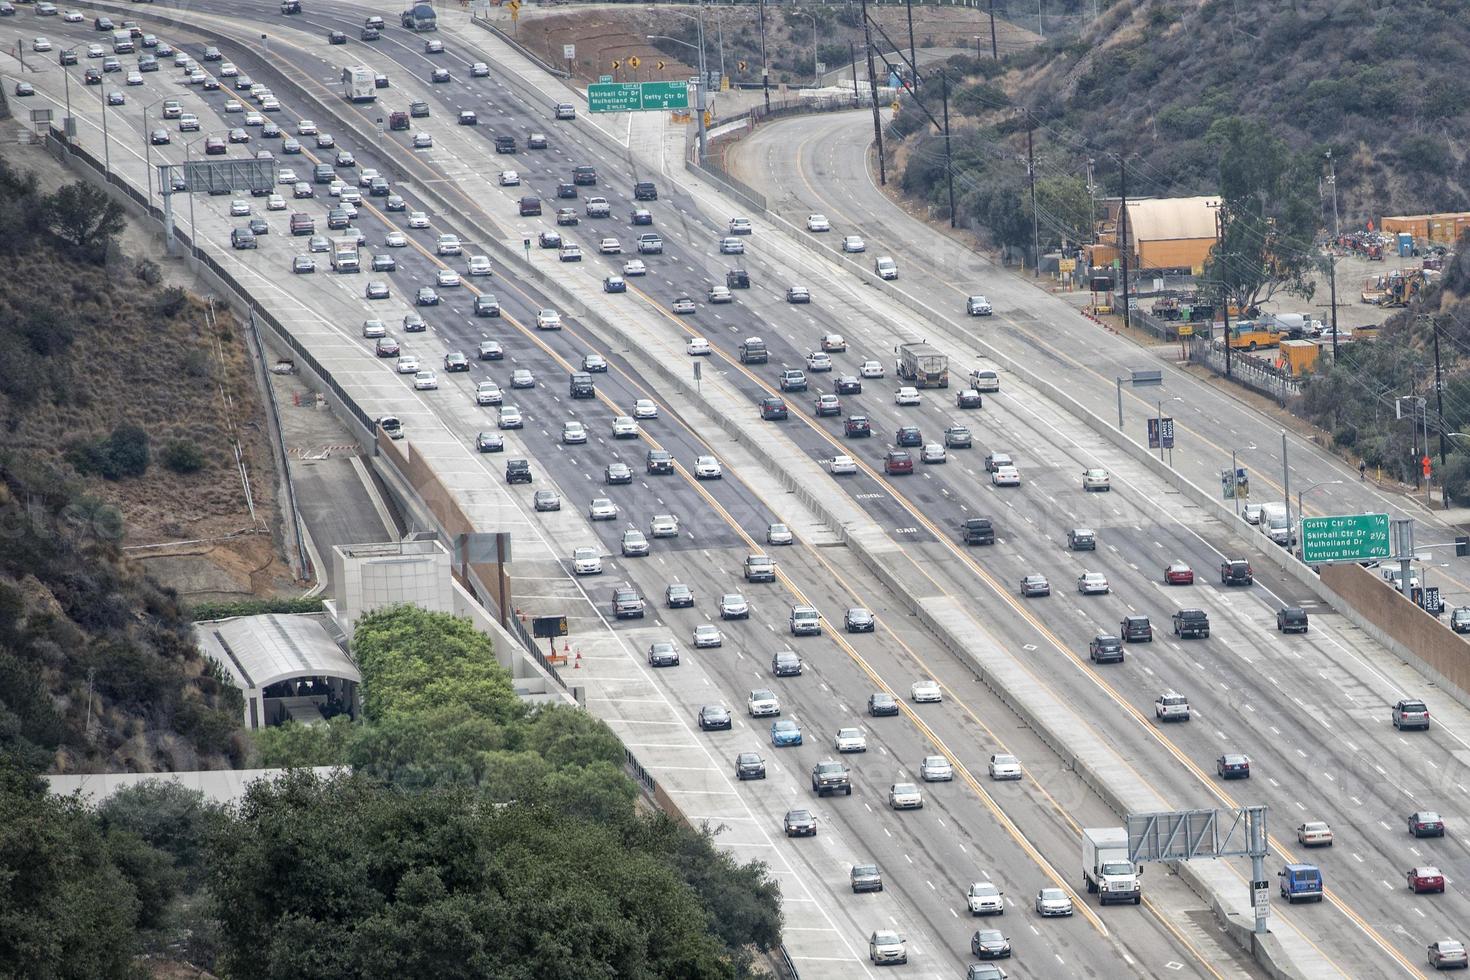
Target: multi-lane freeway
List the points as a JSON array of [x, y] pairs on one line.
[[1310, 711]]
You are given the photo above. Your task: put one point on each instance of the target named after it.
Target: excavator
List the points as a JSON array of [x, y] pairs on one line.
[[1401, 287]]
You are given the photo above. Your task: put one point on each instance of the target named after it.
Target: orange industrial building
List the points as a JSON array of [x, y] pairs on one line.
[[1436, 229], [1163, 233]]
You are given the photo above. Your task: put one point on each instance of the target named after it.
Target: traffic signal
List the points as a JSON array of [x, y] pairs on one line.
[[1424, 463]]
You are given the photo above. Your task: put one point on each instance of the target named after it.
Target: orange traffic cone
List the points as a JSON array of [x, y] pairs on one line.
[[577, 663]]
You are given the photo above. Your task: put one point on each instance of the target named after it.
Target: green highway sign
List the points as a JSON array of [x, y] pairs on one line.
[[1352, 537], [614, 97], [636, 96], [665, 95]]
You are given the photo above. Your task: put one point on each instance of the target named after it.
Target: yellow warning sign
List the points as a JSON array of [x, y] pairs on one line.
[[633, 62], [616, 65], [661, 65]]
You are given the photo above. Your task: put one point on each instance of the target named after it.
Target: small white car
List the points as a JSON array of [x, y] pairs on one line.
[[661, 525], [732, 246], [1092, 583], [425, 381], [602, 509], [1005, 476], [933, 453], [423, 141], [936, 769], [610, 246], [407, 364], [510, 417], [447, 278], [906, 396], [548, 320], [395, 239], [418, 219], [586, 561], [635, 267], [778, 534], [1095, 478], [707, 635], [852, 243], [818, 223], [697, 347], [708, 468], [925, 692], [905, 796], [886, 268], [306, 128], [842, 466], [740, 226], [850, 740], [1004, 766], [644, 408], [871, 369], [510, 178], [480, 265], [623, 427], [762, 703]]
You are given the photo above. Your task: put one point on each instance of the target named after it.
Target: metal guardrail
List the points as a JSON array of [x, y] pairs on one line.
[[636, 770], [1252, 372], [520, 48]]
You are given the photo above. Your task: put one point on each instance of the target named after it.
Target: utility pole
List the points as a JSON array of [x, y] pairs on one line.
[[1225, 286], [1332, 179], [994, 51], [948, 160], [1092, 205], [873, 87], [913, 61], [852, 53], [1438, 396], [765, 67], [1332, 291], [1035, 228], [1123, 235]]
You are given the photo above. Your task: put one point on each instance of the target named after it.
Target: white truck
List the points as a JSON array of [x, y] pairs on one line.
[[359, 84], [344, 255], [1106, 868]]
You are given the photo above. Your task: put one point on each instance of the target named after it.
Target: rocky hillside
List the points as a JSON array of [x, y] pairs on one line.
[[120, 404], [1381, 84]]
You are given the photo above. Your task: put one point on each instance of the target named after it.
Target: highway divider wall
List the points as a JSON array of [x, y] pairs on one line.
[[1403, 626]]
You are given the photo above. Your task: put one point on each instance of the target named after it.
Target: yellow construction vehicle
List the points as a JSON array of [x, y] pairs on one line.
[[1400, 287]]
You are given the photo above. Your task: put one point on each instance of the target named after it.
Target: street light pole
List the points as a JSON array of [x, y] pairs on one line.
[[765, 66], [148, 150], [1286, 487], [106, 151], [816, 75], [699, 102]]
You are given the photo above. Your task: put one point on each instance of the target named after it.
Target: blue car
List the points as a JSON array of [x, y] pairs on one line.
[[785, 732]]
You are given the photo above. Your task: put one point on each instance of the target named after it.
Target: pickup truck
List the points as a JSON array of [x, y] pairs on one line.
[[978, 530], [1191, 623], [831, 777], [759, 568]]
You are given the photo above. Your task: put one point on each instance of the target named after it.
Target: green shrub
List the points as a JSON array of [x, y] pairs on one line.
[[183, 456], [199, 612], [170, 302], [123, 453]]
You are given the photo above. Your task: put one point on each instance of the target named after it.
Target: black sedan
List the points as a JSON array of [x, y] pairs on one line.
[[714, 717], [859, 620]]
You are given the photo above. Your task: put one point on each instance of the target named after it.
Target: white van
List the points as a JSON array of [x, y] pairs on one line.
[[1274, 525]]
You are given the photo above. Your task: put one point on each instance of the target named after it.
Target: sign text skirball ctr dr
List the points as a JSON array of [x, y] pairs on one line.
[[1351, 537]]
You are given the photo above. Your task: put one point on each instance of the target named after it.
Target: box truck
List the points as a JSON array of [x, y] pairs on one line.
[[1106, 867]]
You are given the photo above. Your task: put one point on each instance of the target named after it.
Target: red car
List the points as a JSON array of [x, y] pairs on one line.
[[857, 427], [898, 461], [1425, 880], [1178, 574]]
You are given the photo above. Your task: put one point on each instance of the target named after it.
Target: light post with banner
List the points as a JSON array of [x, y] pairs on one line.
[[1235, 482]]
